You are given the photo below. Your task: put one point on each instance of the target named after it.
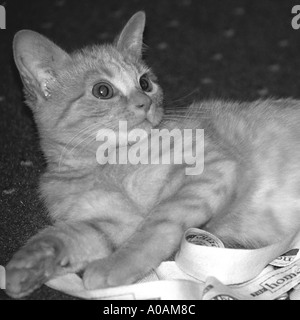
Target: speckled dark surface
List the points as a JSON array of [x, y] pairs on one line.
[[235, 49]]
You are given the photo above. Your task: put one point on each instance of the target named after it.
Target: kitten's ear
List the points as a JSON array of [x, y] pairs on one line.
[[37, 59], [131, 38]]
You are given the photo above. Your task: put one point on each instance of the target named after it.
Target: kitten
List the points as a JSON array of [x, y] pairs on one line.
[[117, 222]]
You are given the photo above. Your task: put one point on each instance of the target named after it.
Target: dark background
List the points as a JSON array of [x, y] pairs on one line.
[[232, 49]]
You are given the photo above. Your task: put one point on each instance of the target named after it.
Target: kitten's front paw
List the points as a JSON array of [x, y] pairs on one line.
[[113, 271], [32, 266], [96, 274]]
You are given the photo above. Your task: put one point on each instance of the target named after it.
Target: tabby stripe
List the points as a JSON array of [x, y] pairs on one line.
[[68, 108], [95, 225]]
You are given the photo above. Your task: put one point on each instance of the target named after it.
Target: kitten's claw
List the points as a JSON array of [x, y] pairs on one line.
[[32, 266]]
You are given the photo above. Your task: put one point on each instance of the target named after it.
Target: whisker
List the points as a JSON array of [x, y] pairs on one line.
[[81, 132], [184, 97], [90, 132]]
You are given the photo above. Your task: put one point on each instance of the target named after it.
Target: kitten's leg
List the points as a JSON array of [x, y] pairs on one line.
[[155, 241], [55, 250]]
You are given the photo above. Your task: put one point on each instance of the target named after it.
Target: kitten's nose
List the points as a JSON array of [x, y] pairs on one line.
[[141, 102]]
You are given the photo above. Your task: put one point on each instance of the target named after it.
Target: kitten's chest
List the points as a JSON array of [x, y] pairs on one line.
[[149, 185]]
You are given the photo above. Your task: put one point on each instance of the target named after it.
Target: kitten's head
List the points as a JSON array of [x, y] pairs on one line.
[[74, 95]]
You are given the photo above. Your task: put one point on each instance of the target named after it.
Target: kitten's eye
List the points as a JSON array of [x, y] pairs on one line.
[[103, 90], [145, 83]]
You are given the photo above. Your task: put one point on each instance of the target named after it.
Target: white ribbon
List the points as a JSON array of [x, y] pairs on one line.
[[204, 269]]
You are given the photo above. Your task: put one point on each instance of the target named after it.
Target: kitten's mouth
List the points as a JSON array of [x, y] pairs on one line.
[[146, 125], [151, 120]]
